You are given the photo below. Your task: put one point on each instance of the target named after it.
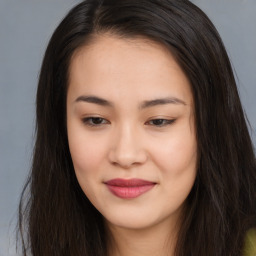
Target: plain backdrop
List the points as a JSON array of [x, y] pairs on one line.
[[26, 27]]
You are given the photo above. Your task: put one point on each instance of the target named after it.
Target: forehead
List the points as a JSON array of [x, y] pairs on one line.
[[112, 65], [126, 52]]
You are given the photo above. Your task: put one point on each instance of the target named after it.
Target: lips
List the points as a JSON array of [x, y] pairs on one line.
[[128, 189]]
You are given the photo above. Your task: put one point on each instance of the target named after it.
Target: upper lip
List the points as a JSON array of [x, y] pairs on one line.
[[128, 182]]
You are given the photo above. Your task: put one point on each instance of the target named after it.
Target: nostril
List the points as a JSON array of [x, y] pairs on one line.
[[127, 159]]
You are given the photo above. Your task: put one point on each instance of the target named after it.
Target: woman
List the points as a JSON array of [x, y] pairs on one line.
[[142, 146]]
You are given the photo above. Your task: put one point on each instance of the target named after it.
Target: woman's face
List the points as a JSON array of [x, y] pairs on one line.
[[131, 131]]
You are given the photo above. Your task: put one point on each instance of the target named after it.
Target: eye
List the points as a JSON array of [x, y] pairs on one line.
[[160, 122], [94, 121]]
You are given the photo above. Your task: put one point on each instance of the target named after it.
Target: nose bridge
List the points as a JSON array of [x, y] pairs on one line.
[[126, 139], [127, 147]]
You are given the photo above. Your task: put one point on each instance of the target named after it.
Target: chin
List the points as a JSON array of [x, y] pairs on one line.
[[131, 223], [136, 219]]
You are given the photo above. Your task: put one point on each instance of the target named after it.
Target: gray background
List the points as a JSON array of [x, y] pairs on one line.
[[25, 28]]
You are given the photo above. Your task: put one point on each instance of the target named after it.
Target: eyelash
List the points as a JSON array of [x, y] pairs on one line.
[[90, 121], [163, 122]]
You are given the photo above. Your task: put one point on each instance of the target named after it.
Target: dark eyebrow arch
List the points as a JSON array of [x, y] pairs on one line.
[[95, 100], [162, 101]]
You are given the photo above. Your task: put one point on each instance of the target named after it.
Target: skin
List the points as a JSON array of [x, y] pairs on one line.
[[128, 138]]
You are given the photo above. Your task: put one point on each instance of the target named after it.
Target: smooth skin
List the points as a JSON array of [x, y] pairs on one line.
[[130, 114]]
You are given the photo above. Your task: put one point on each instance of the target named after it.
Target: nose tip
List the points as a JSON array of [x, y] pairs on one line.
[[127, 152], [127, 159]]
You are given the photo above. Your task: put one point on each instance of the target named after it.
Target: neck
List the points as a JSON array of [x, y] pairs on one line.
[[158, 240]]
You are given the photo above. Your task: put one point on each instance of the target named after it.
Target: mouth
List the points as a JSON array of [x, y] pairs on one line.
[[128, 189]]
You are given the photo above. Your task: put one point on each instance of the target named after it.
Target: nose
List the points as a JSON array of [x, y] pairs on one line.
[[127, 148]]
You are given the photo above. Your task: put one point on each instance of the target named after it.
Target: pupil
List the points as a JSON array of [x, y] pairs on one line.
[[158, 121], [97, 120]]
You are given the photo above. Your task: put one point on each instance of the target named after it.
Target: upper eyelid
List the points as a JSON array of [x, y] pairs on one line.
[[150, 119], [167, 118], [168, 121], [91, 116]]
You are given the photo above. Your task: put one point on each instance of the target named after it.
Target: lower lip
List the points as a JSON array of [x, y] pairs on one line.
[[129, 192]]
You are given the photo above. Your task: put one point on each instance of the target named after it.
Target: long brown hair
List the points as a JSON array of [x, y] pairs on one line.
[[55, 216]]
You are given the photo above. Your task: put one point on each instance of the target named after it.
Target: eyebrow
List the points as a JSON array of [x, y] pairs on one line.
[[144, 104], [95, 100], [161, 101]]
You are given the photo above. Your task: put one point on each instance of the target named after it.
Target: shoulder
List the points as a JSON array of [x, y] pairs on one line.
[[250, 243]]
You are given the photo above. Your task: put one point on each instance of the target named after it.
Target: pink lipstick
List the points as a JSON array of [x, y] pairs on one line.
[[128, 189]]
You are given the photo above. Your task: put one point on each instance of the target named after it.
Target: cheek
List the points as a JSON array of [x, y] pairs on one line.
[[87, 156], [87, 153], [177, 156], [182, 159], [183, 153], [177, 161]]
